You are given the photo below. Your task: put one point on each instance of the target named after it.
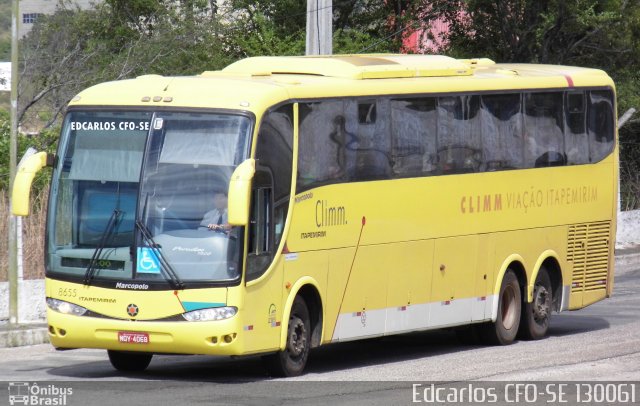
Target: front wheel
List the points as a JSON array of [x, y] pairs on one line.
[[505, 328], [292, 360], [129, 361], [537, 314]]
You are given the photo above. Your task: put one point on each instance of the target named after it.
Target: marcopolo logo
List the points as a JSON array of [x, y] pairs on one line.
[[25, 393], [132, 310]]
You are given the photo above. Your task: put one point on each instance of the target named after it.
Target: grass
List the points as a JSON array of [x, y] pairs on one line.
[[32, 237]]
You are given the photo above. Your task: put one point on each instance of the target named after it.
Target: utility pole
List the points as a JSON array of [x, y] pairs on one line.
[[13, 152], [319, 27]]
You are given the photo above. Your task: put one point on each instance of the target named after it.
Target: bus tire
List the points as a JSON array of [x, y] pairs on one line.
[[292, 360], [536, 315], [505, 328], [129, 361]]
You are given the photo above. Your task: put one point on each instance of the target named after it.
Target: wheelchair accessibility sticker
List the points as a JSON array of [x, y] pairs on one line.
[[147, 261]]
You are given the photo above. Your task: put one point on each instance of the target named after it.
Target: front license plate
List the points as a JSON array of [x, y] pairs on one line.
[[127, 337]]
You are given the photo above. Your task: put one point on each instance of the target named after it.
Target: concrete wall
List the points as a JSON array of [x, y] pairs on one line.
[[628, 229], [31, 301]]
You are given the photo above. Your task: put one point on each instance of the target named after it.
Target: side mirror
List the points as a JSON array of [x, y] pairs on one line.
[[20, 195], [240, 193]]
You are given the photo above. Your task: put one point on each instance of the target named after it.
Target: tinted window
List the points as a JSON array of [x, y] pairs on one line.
[[575, 134], [271, 188], [367, 139], [275, 149], [459, 136], [543, 131], [601, 124], [413, 135], [322, 141], [502, 138], [368, 142]]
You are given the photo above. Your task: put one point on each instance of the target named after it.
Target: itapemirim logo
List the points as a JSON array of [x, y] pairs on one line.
[[31, 394]]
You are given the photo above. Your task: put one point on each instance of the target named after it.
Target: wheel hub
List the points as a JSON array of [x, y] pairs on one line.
[[541, 303], [297, 341]]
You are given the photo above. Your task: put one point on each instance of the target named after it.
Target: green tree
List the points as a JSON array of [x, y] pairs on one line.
[[73, 49], [5, 30], [265, 27], [42, 143], [279, 27], [540, 31]]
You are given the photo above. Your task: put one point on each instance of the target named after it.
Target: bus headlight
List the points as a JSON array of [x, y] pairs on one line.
[[214, 313], [65, 307]]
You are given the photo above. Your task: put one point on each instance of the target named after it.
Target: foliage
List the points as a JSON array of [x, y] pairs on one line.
[[74, 49], [369, 26], [595, 33], [5, 30], [42, 143], [279, 27]]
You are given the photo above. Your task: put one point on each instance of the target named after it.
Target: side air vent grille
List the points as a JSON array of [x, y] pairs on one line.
[[588, 250]]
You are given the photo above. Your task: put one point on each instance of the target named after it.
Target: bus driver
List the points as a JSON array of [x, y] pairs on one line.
[[217, 219]]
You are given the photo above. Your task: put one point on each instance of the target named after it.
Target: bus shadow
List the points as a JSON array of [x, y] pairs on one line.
[[383, 350], [190, 368], [334, 357], [567, 324]]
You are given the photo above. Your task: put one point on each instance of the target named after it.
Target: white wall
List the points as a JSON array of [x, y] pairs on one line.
[[5, 73], [31, 301], [628, 229]]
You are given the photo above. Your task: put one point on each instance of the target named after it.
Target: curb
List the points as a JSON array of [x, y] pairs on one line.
[[23, 334]]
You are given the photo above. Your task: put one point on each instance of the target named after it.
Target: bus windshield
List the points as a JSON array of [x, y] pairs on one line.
[[134, 195]]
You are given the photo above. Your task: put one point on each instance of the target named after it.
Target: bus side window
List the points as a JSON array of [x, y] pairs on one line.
[[575, 135], [367, 149], [413, 136], [600, 124], [502, 131], [543, 130], [459, 135], [322, 144]]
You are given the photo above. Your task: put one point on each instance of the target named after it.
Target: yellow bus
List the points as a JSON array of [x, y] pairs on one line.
[[285, 203]]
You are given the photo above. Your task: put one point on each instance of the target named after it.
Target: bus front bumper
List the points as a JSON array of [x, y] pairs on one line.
[[220, 337]]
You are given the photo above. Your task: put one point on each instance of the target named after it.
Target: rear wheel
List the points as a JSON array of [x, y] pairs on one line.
[[505, 328], [292, 360], [537, 314], [129, 361]]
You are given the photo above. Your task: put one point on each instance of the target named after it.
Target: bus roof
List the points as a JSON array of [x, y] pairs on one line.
[[254, 84]]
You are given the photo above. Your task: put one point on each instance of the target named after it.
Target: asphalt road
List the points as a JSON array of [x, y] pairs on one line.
[[599, 343]]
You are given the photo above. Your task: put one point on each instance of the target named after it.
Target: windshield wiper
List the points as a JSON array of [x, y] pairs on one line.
[[106, 236], [165, 267]]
